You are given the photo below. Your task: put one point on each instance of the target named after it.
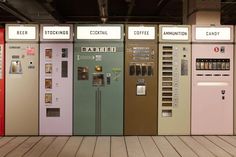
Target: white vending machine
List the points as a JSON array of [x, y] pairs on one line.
[[212, 80], [56, 59]]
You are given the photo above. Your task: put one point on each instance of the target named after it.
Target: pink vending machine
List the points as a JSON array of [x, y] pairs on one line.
[[56, 51], [212, 80]]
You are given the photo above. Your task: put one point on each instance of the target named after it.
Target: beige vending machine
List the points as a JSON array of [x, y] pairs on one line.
[[21, 79], [174, 80], [141, 80]]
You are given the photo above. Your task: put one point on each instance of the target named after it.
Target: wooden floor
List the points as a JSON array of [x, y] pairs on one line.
[[127, 146]]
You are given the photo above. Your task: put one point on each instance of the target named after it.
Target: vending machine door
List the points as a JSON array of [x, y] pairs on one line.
[[174, 89], [212, 89], [56, 88], [98, 88], [22, 89], [141, 89]]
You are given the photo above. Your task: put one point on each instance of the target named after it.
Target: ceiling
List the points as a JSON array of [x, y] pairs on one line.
[[96, 11]]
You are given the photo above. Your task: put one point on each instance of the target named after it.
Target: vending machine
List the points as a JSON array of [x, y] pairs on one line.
[[174, 80], [98, 80], [212, 80], [2, 82], [21, 79], [141, 80], [56, 61]]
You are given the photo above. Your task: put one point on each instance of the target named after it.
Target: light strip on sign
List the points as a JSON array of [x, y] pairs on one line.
[[22, 32], [56, 32], [99, 32], [212, 83], [213, 33], [175, 33], [143, 33]]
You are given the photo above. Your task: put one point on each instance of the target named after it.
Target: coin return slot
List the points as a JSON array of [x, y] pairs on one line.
[[167, 78], [166, 89], [167, 58], [53, 112], [167, 68], [167, 47], [166, 83], [167, 52], [167, 73], [225, 74], [166, 113], [166, 94], [167, 104], [167, 63], [199, 74], [166, 99]]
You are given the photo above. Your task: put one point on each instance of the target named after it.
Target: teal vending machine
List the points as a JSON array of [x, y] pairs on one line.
[[98, 80]]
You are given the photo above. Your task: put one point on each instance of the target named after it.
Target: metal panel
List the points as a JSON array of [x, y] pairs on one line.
[[22, 89], [98, 87], [56, 88], [212, 89], [174, 89], [141, 85]]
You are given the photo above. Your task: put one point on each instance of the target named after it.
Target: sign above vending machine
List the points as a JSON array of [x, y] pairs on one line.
[[99, 32], [174, 33], [213, 33], [141, 33], [21, 32], [56, 32]]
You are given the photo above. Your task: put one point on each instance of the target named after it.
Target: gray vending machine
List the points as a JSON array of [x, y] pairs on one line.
[[56, 64], [22, 79], [174, 80], [98, 80]]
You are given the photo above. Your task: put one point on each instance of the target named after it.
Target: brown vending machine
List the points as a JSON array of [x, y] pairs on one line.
[[141, 80]]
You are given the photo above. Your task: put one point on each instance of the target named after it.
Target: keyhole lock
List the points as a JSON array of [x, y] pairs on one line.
[[223, 94]]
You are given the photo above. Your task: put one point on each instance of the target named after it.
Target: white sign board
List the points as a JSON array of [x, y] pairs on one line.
[[22, 32], [141, 33], [212, 33], [99, 32], [174, 33], [56, 32]]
